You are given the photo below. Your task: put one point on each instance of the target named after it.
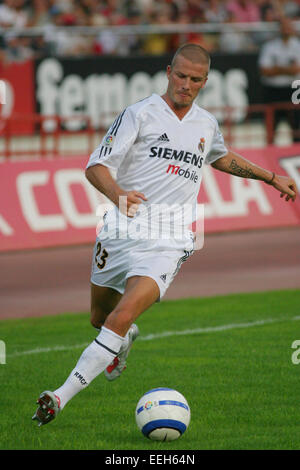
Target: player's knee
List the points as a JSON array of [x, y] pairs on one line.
[[121, 318]]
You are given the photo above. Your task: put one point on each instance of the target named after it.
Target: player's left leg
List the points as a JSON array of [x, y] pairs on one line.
[[140, 293], [104, 300]]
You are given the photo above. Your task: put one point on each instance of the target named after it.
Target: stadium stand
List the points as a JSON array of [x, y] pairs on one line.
[[39, 28]]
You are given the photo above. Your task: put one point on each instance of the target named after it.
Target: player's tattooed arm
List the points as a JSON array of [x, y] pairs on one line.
[[238, 170], [237, 165]]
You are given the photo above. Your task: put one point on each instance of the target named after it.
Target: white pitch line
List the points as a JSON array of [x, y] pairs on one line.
[[49, 349], [210, 329], [164, 334]]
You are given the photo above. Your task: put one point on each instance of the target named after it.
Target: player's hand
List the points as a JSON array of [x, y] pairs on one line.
[[286, 186], [130, 201]]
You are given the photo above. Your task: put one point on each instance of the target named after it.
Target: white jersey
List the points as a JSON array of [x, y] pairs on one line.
[[154, 152]]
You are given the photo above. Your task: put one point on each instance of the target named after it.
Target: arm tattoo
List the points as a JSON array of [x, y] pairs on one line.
[[237, 170]]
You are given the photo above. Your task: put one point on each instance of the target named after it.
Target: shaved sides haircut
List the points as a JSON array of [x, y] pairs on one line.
[[194, 53]]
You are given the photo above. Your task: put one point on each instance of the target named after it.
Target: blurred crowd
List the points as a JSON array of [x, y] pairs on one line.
[[17, 16]]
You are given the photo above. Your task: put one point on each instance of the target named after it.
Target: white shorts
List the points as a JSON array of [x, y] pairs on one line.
[[116, 260]]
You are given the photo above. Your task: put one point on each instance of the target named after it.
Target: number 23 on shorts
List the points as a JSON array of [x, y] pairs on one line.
[[101, 262]]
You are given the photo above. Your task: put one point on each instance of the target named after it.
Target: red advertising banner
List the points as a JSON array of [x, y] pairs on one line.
[[46, 203], [18, 98], [233, 203], [50, 202]]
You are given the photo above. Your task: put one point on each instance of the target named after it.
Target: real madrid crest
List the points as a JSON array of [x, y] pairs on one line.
[[201, 145]]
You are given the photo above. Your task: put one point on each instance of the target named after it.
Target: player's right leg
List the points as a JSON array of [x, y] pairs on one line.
[[103, 301], [48, 409], [140, 293]]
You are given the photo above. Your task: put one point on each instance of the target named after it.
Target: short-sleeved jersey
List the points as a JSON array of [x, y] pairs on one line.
[[156, 153]]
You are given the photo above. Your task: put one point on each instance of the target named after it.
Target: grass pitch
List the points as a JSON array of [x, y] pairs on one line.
[[231, 357]]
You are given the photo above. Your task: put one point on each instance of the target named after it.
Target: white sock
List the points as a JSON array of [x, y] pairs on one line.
[[94, 360]]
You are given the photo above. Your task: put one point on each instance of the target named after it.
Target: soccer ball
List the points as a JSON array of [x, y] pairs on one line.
[[162, 414]]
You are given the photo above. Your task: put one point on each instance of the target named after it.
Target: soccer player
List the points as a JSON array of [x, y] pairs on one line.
[[157, 147]]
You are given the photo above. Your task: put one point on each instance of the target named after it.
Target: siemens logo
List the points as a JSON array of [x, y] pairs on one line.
[[179, 155]]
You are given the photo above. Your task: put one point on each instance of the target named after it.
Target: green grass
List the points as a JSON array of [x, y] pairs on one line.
[[241, 385]]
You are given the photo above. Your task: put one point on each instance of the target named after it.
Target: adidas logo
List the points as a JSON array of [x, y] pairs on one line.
[[163, 277], [164, 138]]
